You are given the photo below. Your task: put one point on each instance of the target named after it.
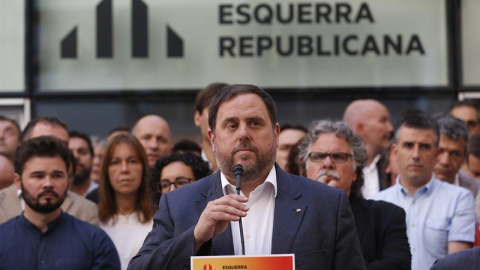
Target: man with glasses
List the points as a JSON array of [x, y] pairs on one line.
[[336, 156], [440, 216]]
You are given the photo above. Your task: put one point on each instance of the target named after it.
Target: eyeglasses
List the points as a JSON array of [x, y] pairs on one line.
[[471, 124], [166, 185], [336, 157]]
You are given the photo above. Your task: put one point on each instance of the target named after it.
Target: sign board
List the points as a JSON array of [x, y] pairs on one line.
[[470, 42], [12, 46], [187, 44], [266, 262]]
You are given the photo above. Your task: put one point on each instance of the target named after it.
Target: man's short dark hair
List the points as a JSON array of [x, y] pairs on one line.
[[417, 120], [230, 92], [205, 96], [51, 120], [83, 136], [15, 123], [43, 146], [294, 127], [452, 127]]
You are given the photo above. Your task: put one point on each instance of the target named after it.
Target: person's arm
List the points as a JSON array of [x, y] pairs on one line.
[[456, 246], [395, 250], [462, 230], [165, 249], [348, 253]]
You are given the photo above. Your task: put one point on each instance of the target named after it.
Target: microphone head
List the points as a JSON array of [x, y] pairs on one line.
[[239, 169]]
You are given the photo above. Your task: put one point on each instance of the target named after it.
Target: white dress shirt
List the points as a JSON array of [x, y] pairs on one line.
[[258, 224], [371, 184]]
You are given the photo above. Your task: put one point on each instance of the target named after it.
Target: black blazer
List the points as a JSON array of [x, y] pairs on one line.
[[382, 233]]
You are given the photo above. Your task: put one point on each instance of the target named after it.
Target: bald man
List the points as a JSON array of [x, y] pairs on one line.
[[154, 134], [6, 172], [371, 120]]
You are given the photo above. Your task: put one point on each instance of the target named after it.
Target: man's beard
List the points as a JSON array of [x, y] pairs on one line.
[[48, 207], [81, 177], [252, 170]]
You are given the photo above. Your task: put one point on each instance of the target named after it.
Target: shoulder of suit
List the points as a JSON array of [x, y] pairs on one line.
[[79, 200]]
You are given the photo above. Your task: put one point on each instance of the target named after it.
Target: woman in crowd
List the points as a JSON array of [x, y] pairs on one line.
[[177, 170], [125, 208]]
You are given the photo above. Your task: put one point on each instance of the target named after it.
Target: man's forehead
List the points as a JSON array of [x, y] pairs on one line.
[[46, 129], [38, 163], [446, 141], [415, 134], [330, 139], [256, 109]]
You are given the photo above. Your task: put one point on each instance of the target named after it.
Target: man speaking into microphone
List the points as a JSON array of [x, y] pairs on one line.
[[280, 213]]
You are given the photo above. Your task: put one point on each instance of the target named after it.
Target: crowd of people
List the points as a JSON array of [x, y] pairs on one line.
[[356, 193]]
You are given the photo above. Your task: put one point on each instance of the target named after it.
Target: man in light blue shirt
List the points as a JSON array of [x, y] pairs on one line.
[[440, 217]]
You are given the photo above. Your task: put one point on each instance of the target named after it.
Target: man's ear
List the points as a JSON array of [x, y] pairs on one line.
[[17, 181], [196, 118], [211, 137], [277, 132], [359, 128]]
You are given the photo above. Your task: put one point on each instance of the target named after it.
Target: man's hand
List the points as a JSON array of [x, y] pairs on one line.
[[216, 216]]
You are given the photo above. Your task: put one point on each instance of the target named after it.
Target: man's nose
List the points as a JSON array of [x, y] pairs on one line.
[[328, 163], [243, 132], [152, 143]]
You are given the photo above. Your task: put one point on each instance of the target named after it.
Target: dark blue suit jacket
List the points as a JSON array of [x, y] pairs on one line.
[[322, 235]]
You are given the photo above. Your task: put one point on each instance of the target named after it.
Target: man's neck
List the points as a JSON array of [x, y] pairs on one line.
[[372, 153], [413, 185], [81, 189], [207, 149], [41, 220]]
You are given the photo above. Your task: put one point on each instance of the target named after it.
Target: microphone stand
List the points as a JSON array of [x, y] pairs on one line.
[[238, 175]]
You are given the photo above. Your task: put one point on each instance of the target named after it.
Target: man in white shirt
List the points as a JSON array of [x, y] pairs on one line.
[[281, 213]]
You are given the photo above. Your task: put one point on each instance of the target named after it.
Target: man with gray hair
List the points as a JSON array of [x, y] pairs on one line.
[[440, 217], [335, 155], [452, 148]]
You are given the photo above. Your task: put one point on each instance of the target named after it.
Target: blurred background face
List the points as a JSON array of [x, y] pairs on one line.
[[45, 129], [98, 153], [81, 152], [474, 166], [377, 127], [339, 175], [9, 138], [175, 172], [154, 135], [468, 115], [286, 140], [450, 158], [125, 170]]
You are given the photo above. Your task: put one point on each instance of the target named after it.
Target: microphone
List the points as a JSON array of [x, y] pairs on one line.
[[238, 174]]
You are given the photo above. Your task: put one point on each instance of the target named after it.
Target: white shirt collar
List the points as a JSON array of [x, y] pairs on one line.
[[228, 188]]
